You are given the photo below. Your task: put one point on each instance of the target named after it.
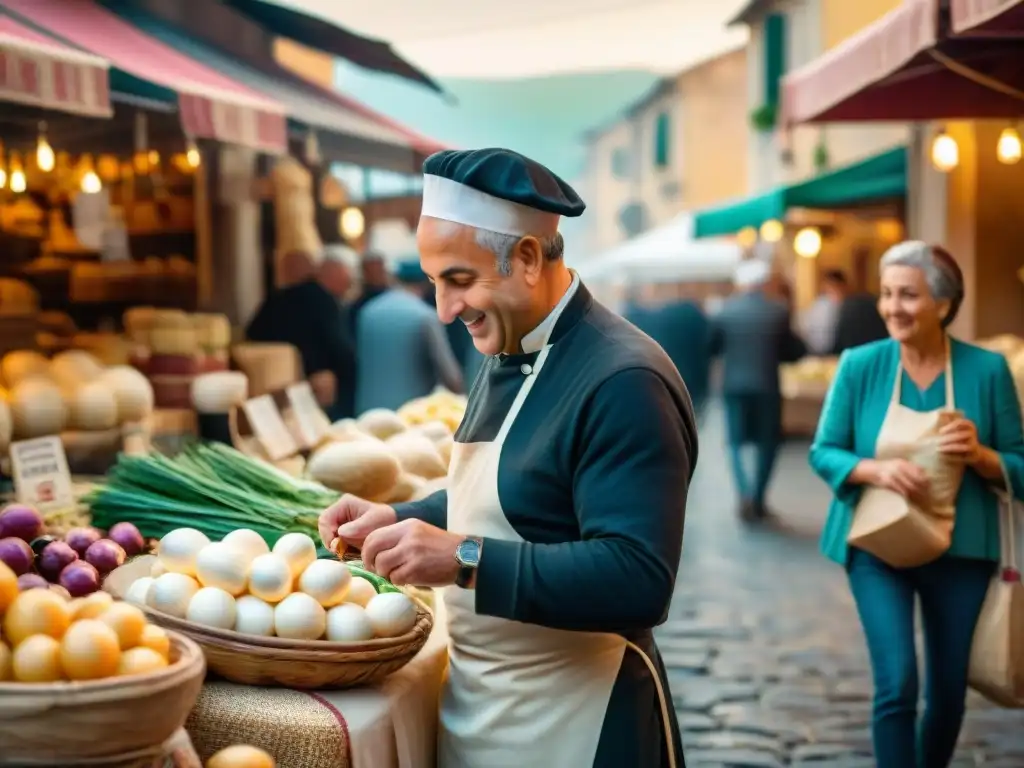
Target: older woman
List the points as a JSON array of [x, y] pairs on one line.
[[922, 288]]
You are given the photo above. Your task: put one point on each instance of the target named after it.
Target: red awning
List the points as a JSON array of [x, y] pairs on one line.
[[211, 105], [40, 72], [995, 18], [844, 83]]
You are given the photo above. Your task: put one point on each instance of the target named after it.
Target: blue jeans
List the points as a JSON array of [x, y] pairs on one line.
[[951, 590], [753, 419]]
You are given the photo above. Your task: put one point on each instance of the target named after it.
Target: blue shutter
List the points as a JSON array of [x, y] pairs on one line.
[[774, 56], [662, 131]]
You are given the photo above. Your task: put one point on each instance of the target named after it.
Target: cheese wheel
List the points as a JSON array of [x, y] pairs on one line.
[[37, 408], [93, 407], [23, 364], [365, 468]]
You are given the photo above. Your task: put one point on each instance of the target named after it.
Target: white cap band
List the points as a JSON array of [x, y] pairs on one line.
[[448, 200]]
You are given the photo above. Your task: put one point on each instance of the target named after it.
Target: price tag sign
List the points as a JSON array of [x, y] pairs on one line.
[[311, 422], [41, 475], [269, 427]]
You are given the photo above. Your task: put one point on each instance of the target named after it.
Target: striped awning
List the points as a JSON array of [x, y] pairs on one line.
[[990, 18], [38, 71]]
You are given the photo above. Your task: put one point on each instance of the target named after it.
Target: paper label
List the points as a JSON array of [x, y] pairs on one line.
[[41, 475], [310, 420], [269, 428]]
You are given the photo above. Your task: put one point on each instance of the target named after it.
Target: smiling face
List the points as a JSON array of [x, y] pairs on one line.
[[907, 305], [472, 290]]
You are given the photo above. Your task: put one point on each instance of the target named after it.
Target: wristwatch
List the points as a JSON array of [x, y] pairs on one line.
[[467, 555]]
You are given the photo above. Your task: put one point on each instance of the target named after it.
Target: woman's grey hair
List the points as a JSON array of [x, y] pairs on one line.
[[944, 279]]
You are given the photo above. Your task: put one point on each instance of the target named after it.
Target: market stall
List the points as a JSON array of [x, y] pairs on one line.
[[313, 661]]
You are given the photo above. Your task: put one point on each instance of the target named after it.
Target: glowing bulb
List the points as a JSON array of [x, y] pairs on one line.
[[1008, 150], [45, 157], [18, 183], [192, 155], [352, 223], [746, 237], [807, 243], [3, 178], [91, 183], [945, 153], [154, 157], [771, 231]]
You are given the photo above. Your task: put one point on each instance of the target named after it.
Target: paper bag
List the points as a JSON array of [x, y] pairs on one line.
[[897, 532]]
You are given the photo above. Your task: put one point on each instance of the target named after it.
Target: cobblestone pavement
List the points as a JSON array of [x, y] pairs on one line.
[[766, 658]]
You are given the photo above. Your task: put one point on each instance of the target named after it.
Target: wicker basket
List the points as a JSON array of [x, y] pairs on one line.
[[319, 664], [111, 720]]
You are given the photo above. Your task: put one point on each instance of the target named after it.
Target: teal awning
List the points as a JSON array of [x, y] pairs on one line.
[[881, 177]]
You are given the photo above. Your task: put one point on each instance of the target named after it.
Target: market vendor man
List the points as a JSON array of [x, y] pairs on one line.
[[558, 538]]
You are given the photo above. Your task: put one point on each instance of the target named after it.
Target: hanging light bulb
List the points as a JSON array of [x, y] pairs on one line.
[[1008, 149], [90, 183], [746, 237], [772, 231], [192, 155], [45, 157], [17, 181], [154, 158], [807, 243], [3, 168], [945, 152]]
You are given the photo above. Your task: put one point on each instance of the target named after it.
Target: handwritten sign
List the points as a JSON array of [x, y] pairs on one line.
[[41, 475], [310, 420], [269, 427]]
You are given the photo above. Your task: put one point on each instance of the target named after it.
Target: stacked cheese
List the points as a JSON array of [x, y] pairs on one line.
[[808, 378]]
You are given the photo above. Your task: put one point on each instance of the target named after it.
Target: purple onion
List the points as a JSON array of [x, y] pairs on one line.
[[17, 555], [57, 556], [80, 579], [129, 537], [21, 522], [32, 581], [80, 539], [105, 555]]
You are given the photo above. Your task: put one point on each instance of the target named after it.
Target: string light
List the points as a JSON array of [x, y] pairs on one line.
[[772, 231], [90, 183], [807, 243], [945, 152], [1008, 149], [45, 157], [192, 155], [17, 180], [352, 223], [3, 168], [746, 237]]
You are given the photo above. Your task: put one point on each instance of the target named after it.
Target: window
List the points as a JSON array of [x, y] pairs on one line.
[[662, 143], [621, 163], [774, 56]]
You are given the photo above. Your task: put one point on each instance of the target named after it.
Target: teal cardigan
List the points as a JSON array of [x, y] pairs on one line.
[[852, 417]]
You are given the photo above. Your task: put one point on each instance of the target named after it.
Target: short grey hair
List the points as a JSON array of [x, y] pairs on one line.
[[502, 245], [942, 275]]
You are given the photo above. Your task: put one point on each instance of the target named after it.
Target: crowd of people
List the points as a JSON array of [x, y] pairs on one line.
[[368, 337]]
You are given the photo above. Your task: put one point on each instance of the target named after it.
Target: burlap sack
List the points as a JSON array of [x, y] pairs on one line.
[[997, 653]]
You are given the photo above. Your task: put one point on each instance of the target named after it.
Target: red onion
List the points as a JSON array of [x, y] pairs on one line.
[[17, 554], [32, 581], [80, 579], [129, 537], [80, 539], [105, 555], [21, 522], [57, 556]]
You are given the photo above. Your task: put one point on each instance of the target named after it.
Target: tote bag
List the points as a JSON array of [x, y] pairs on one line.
[[997, 652]]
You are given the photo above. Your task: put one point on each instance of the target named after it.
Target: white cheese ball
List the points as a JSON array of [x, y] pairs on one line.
[[171, 594], [327, 581], [391, 614], [360, 591], [179, 548], [270, 578], [138, 592], [254, 616], [296, 549], [300, 617], [250, 542], [212, 607], [223, 566], [348, 623]]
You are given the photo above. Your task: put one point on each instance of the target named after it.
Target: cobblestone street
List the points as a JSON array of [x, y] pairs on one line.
[[766, 657]]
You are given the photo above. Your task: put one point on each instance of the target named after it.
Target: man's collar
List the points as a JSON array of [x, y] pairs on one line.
[[535, 340]]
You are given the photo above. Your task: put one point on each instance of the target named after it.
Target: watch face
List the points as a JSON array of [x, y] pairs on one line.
[[468, 553]]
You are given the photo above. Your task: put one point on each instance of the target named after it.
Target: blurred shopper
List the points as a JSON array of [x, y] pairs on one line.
[[305, 314], [858, 322], [403, 349], [752, 334], [683, 331], [818, 322], [374, 280], [884, 396], [338, 274], [558, 538]]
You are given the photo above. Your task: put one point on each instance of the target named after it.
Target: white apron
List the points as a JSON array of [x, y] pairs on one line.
[[518, 694]]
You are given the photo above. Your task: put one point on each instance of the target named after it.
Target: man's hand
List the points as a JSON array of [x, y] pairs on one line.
[[352, 519], [413, 552]]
